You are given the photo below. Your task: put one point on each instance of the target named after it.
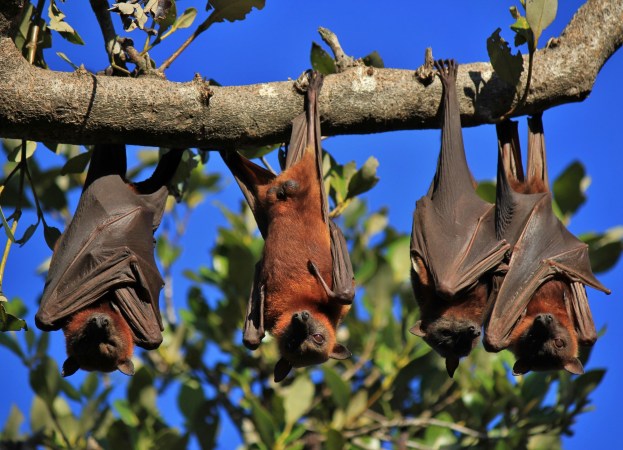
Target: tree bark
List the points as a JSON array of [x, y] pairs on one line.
[[83, 108]]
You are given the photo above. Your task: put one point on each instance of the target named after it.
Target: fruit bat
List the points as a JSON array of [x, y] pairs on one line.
[[103, 285], [303, 285], [539, 306], [454, 249]]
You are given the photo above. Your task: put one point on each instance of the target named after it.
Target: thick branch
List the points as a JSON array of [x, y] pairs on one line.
[[74, 108]]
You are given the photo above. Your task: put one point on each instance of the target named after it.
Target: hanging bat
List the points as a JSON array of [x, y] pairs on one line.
[[103, 285], [540, 308], [454, 249], [303, 285]]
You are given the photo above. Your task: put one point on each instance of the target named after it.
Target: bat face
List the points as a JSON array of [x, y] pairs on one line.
[[450, 325], [545, 338], [546, 345], [98, 338], [309, 339]]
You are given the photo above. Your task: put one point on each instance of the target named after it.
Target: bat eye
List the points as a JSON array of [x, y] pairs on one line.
[[318, 338], [446, 333], [559, 343]]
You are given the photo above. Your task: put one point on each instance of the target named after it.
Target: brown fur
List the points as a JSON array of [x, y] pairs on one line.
[[104, 349], [555, 349], [451, 326]]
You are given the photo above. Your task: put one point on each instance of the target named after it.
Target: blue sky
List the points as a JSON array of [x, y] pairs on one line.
[[273, 45]]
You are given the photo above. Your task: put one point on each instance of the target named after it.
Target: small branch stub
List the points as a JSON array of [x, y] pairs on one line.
[[342, 60]]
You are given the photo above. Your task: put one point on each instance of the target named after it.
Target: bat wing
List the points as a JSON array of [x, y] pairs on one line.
[[249, 176], [544, 249], [254, 318], [343, 276], [108, 246], [457, 248]]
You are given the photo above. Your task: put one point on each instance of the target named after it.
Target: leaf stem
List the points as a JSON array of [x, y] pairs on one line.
[[200, 29]]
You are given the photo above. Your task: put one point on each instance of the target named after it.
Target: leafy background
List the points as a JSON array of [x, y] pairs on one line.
[[274, 44]]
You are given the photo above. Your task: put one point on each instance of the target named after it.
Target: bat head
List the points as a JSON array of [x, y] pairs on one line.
[[98, 338], [546, 344], [451, 337], [306, 340]]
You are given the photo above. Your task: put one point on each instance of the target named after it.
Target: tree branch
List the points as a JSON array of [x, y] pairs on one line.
[[86, 109]]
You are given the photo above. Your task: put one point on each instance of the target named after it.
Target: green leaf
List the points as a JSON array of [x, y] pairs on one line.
[[8, 322], [486, 191], [8, 341], [373, 60], [191, 398], [263, 422], [65, 58], [185, 20], [77, 164], [125, 412], [321, 60], [335, 440], [89, 385], [586, 383], [298, 399], [506, 65], [232, 10], [604, 249], [57, 23], [340, 390], [27, 234], [51, 235], [540, 14], [12, 425], [569, 189], [45, 380], [523, 33], [364, 179]]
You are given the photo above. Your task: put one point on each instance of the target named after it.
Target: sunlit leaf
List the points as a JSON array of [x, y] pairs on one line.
[[298, 399], [540, 14], [321, 60]]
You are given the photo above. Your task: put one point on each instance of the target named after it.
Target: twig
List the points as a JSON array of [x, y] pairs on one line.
[[33, 32], [102, 14], [416, 423], [342, 60], [200, 29]]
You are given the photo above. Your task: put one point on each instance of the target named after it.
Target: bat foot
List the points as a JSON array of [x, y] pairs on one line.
[[447, 71]]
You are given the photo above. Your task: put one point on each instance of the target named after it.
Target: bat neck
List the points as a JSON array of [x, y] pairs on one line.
[[107, 159], [453, 177]]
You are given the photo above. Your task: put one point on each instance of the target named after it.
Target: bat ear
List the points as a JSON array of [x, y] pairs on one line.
[[521, 366], [418, 331], [340, 352], [452, 362], [70, 366], [573, 365], [126, 367], [282, 369]]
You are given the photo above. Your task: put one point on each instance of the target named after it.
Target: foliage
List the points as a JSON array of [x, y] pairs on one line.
[[395, 389]]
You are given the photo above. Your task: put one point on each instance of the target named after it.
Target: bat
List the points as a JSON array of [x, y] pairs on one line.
[[103, 285], [304, 284], [539, 305], [454, 248]]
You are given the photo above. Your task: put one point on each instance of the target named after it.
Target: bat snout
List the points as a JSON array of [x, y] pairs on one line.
[[544, 319], [300, 317], [475, 332]]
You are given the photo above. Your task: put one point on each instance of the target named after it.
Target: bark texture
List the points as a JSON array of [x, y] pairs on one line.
[[82, 108]]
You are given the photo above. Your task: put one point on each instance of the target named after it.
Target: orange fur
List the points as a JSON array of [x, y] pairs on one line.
[[547, 299], [297, 234], [104, 352]]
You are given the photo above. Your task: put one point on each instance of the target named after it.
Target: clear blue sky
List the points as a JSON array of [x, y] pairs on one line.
[[273, 45]]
